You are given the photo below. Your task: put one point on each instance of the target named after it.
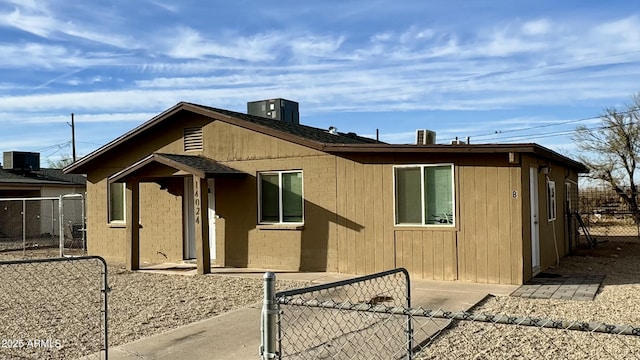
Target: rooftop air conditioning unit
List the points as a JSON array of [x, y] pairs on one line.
[[425, 137], [21, 161], [457, 142]]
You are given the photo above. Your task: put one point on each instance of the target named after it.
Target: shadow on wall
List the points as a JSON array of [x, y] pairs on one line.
[[237, 203]]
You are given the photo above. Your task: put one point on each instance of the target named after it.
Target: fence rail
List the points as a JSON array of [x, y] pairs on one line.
[[366, 318], [54, 308]]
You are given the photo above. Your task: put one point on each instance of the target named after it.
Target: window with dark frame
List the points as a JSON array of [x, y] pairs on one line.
[[280, 197], [424, 195], [117, 202]]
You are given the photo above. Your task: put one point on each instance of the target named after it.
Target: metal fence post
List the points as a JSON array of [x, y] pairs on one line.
[[268, 318]]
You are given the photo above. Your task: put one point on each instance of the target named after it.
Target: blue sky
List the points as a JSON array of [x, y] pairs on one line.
[[497, 71]]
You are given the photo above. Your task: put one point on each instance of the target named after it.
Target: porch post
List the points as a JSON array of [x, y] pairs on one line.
[[132, 200], [201, 219]]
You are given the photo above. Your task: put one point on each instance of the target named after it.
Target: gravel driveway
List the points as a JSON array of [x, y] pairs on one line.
[[144, 304], [616, 303]]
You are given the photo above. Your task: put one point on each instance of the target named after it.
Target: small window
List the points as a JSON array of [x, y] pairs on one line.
[[424, 195], [193, 139], [551, 200], [117, 202], [280, 197]]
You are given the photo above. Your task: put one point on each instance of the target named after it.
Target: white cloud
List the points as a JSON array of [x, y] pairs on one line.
[[537, 27], [38, 24], [188, 43]]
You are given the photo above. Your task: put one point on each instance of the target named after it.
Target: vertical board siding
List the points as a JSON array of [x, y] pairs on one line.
[[490, 237], [504, 226], [493, 225], [363, 235], [427, 254], [480, 197]]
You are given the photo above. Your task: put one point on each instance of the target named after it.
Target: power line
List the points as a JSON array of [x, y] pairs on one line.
[[537, 135]]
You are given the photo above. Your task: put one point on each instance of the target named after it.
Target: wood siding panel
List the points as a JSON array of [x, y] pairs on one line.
[[427, 254], [504, 224], [516, 226], [379, 219], [494, 200], [489, 222], [389, 251], [467, 221], [480, 197]]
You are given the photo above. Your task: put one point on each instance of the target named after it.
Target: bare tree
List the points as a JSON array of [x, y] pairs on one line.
[[63, 162], [611, 151]]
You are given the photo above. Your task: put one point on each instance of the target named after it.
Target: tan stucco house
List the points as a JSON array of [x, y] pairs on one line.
[[231, 189]]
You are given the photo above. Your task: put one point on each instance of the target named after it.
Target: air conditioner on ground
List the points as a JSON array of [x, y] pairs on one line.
[[425, 137]]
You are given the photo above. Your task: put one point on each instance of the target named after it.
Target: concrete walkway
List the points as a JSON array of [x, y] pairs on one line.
[[581, 287], [236, 334]]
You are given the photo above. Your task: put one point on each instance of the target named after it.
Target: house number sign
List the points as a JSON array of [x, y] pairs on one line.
[[196, 200]]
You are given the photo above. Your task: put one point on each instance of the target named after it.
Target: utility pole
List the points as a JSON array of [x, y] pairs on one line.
[[73, 137]]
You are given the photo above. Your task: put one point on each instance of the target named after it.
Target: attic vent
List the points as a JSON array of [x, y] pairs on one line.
[[425, 137], [193, 139]]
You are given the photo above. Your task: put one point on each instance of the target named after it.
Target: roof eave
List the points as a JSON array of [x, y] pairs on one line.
[[78, 167]]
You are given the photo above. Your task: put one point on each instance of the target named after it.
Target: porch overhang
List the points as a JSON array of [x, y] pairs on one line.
[[176, 165]]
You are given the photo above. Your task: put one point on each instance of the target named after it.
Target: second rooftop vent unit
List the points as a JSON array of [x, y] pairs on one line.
[[277, 109], [425, 137]]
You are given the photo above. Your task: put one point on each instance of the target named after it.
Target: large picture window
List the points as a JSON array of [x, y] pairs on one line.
[[116, 202], [424, 195], [280, 197]]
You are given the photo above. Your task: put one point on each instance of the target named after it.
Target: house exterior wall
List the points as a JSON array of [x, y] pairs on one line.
[[348, 211], [158, 238], [554, 241], [245, 244], [484, 245]]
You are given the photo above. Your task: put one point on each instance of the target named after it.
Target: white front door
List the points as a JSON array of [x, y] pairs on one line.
[[535, 220], [212, 218], [189, 220]]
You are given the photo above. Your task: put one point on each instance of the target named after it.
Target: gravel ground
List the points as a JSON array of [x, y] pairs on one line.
[[616, 303], [144, 304], [140, 304]]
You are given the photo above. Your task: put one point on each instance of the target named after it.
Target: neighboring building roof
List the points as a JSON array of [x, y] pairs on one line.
[[196, 165], [52, 177], [315, 138]]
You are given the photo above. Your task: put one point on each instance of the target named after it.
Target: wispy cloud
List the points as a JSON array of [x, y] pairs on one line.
[[95, 60]]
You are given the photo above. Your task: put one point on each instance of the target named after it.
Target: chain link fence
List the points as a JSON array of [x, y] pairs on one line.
[[605, 216], [371, 318], [56, 223], [53, 308]]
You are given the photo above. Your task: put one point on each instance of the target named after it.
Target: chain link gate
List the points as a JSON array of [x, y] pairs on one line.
[[369, 318], [35, 223], [54, 308]]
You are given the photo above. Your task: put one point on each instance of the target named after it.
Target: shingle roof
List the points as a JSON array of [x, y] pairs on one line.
[[303, 131], [42, 177], [201, 163], [197, 165]]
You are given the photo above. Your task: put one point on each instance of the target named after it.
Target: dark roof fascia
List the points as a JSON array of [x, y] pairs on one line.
[[534, 149]]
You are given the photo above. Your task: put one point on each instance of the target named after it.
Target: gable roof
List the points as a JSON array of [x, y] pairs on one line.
[[197, 165], [315, 138], [42, 177], [300, 134]]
